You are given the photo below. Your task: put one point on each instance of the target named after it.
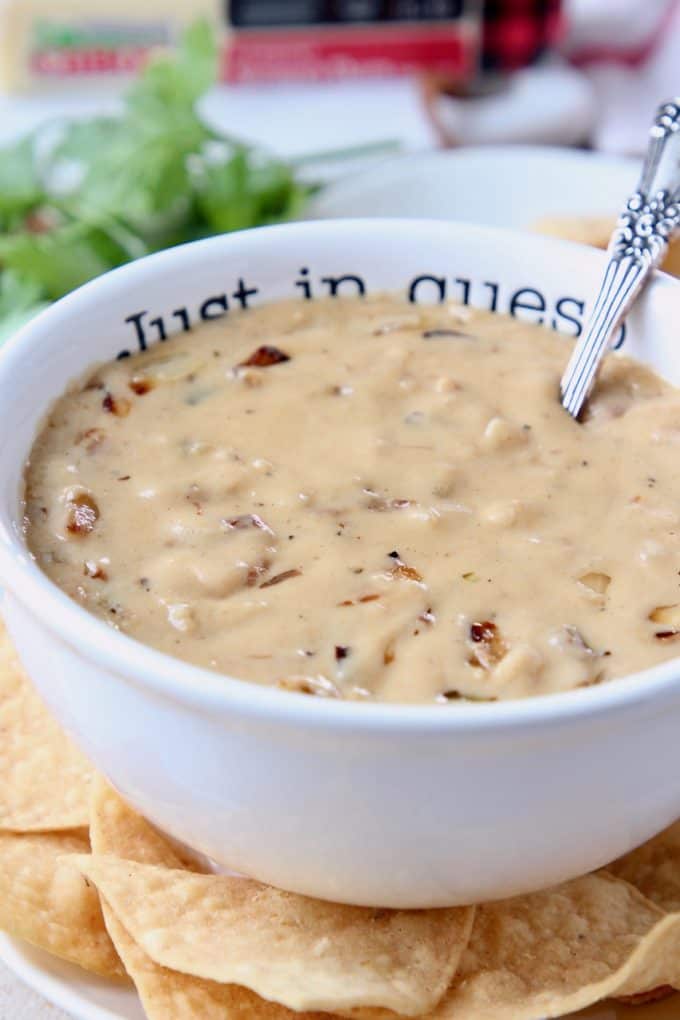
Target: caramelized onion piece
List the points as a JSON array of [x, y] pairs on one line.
[[454, 695], [668, 615], [278, 578], [119, 406], [405, 573], [265, 356], [256, 571], [489, 646], [362, 598], [318, 685], [595, 582], [593, 681], [95, 570], [91, 439], [82, 513], [141, 384]]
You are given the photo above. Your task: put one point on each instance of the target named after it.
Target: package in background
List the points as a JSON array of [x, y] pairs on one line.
[[48, 43], [45, 44], [317, 40]]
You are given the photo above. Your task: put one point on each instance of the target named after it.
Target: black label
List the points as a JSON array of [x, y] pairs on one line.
[[265, 13]]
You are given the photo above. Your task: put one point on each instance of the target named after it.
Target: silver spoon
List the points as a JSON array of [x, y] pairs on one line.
[[637, 246]]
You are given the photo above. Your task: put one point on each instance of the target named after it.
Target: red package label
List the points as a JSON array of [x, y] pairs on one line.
[[332, 52], [65, 63], [294, 40]]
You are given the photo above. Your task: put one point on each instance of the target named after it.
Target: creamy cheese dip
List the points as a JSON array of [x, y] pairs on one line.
[[369, 499]]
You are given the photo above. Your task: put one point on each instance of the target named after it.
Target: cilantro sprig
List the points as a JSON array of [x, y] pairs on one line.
[[81, 197]]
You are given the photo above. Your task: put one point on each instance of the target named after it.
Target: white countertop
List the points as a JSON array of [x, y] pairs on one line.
[[291, 119], [17, 1002]]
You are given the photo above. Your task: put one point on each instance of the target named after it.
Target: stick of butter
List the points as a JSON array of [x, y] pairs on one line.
[[45, 43]]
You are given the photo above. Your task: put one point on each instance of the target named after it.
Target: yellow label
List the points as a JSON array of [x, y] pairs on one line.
[[43, 43]]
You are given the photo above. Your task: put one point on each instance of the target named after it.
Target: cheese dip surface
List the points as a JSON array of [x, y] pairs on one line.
[[371, 500]]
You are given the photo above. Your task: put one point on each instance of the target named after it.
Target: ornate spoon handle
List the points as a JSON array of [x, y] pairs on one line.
[[637, 247]]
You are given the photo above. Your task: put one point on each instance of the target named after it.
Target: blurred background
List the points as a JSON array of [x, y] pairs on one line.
[[342, 72], [128, 126]]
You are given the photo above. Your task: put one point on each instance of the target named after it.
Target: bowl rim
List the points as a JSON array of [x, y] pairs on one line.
[[407, 164], [210, 692]]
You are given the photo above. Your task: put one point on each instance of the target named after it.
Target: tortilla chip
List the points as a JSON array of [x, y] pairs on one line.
[[303, 953], [593, 230], [116, 829], [557, 951], [167, 994], [45, 900], [596, 231], [647, 998], [654, 869], [43, 778]]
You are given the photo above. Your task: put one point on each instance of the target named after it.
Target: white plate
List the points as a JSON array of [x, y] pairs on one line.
[[82, 996], [501, 186], [85, 997]]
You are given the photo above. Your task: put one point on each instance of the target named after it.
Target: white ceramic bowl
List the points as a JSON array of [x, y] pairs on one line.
[[498, 185], [371, 804]]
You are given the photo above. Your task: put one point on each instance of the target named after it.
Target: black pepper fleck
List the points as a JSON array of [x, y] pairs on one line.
[[436, 334]]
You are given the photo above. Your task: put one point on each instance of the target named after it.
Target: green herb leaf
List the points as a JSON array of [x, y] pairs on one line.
[[135, 167], [173, 81], [20, 186], [61, 260], [245, 191], [20, 300], [81, 140], [101, 191]]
